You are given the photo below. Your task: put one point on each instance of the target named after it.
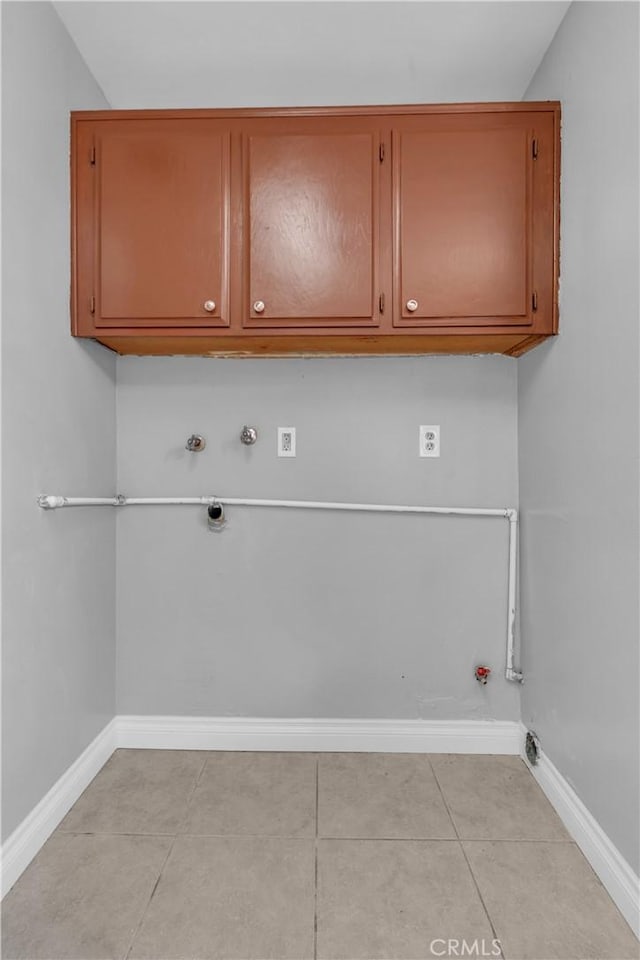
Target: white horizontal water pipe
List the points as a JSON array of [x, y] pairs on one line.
[[49, 502], [53, 503]]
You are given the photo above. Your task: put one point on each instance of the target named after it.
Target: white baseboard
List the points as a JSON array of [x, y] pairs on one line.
[[616, 876], [388, 736], [384, 736], [240, 733], [26, 840]]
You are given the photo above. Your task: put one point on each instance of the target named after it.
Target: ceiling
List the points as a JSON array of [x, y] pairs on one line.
[[216, 54]]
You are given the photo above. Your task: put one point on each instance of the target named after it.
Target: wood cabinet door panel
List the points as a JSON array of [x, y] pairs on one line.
[[161, 220], [463, 225], [311, 222]]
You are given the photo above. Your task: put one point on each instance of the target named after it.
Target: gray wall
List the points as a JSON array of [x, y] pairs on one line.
[[578, 434], [325, 615], [58, 431]]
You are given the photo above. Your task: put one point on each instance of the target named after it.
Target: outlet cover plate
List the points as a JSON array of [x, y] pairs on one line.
[[429, 440], [286, 441]]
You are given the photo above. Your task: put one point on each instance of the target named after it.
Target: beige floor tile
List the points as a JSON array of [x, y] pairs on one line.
[[546, 903], [137, 791], [82, 898], [495, 798], [237, 898], [372, 795], [267, 794], [390, 899]]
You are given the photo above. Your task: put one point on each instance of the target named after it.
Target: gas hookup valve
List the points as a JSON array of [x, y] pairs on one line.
[[482, 674]]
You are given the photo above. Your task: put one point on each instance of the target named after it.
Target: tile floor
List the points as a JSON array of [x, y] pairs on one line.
[[179, 855]]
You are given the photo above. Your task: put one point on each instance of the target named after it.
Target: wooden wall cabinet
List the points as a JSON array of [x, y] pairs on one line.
[[390, 230]]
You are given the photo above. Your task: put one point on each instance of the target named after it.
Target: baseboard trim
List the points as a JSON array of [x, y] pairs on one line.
[[23, 844], [385, 736], [349, 735], [615, 874], [242, 733]]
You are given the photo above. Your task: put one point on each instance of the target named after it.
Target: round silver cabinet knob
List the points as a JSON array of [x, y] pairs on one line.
[[258, 306], [412, 305], [209, 305]]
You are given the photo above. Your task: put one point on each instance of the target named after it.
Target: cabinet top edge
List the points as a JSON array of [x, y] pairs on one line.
[[521, 106]]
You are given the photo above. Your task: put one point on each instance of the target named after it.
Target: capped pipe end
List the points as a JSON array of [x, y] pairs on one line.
[[50, 503]]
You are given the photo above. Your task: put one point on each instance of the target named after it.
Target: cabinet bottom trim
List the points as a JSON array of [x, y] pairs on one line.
[[510, 344]]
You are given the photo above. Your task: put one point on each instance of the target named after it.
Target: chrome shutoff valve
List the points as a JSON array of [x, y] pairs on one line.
[[195, 443], [248, 435]]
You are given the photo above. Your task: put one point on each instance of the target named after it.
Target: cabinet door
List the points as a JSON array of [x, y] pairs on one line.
[[161, 198], [311, 226], [463, 211]]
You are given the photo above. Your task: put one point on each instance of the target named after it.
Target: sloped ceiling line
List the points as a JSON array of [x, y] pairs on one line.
[[231, 54]]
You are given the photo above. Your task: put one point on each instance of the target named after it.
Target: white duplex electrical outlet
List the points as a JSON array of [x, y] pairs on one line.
[[286, 441], [429, 438]]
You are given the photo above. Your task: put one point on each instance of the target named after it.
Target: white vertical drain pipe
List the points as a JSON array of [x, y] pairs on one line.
[[50, 502], [510, 672]]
